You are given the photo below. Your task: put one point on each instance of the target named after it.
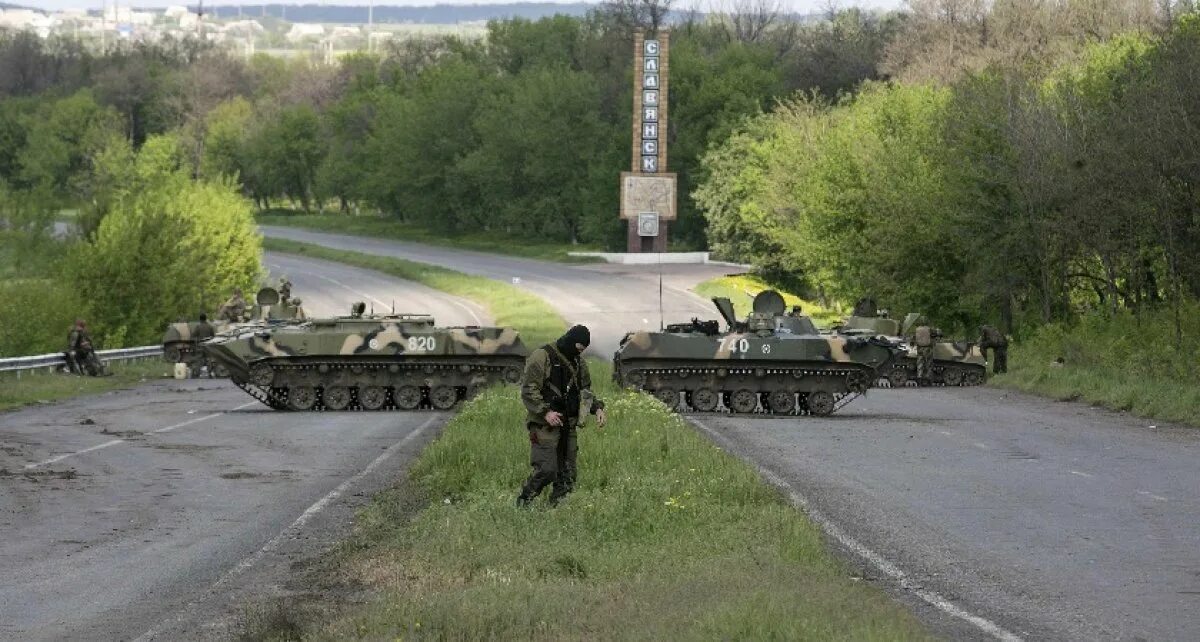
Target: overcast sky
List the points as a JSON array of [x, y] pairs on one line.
[[803, 6]]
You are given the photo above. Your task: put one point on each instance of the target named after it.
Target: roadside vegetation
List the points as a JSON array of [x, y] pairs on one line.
[[740, 290], [667, 537], [43, 387], [379, 226], [1128, 363]]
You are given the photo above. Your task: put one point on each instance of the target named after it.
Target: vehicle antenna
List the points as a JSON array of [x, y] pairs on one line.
[[393, 306], [660, 302]]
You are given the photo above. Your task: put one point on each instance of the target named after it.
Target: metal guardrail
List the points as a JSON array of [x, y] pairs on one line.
[[56, 360]]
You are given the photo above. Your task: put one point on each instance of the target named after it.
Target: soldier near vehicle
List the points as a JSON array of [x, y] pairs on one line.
[[285, 289], [556, 390], [202, 332], [81, 355], [990, 337], [923, 339], [234, 308]]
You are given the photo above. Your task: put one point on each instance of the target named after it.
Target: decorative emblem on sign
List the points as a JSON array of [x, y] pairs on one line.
[[648, 224]]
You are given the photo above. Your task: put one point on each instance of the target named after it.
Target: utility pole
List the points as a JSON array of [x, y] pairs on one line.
[[370, 24]]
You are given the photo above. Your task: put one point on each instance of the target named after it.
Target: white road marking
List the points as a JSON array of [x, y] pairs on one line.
[[982, 446], [114, 442], [1082, 474], [289, 531], [1152, 495], [875, 559]]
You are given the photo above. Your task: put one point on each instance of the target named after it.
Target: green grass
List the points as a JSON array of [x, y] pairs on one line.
[[383, 227], [508, 304], [666, 537], [1121, 363], [740, 290], [42, 386]]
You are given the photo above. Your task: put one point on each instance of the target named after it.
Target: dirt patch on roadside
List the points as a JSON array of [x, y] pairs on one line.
[[39, 475], [123, 434]]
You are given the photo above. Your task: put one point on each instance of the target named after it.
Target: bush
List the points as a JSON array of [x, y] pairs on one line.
[[169, 247], [36, 316]]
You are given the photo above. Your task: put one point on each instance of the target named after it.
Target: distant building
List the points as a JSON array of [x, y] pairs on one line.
[[300, 31]]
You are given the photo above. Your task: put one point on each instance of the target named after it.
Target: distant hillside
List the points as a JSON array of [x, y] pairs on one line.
[[437, 14], [5, 5]]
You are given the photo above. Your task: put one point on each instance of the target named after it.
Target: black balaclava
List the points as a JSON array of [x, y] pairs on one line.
[[577, 334]]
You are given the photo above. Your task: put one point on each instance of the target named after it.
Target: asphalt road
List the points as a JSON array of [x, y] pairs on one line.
[[993, 514], [609, 299], [157, 511]]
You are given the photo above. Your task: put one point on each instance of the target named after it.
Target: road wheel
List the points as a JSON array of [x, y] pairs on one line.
[[820, 403], [669, 397], [443, 397], [407, 397], [898, 377], [262, 375], [372, 397], [172, 354], [973, 378], [635, 379], [512, 374], [302, 397], [782, 402], [952, 376], [743, 401], [218, 371], [337, 397], [704, 400]]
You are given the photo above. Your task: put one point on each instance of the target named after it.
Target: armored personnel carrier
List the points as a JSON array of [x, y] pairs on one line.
[[180, 344], [955, 363], [771, 362], [367, 362]]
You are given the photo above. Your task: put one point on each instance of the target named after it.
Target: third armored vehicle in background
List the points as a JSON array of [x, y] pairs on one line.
[[368, 362], [955, 363], [772, 362], [180, 344]]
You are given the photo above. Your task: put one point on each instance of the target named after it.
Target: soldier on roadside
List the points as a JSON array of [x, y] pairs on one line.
[[81, 354], [203, 331], [233, 309], [990, 337], [923, 337], [556, 391]]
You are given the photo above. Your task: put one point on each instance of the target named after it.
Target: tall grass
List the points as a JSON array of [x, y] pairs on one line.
[[384, 227], [740, 290], [41, 386], [1123, 362], [666, 537]]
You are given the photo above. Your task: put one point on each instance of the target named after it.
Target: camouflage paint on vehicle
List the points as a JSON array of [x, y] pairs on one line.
[[368, 362], [772, 362], [955, 363], [179, 346]]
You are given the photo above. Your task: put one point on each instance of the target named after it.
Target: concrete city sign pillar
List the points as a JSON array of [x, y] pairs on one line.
[[648, 189]]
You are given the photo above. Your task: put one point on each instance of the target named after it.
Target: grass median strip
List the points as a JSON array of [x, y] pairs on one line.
[[667, 536], [41, 386], [382, 227]]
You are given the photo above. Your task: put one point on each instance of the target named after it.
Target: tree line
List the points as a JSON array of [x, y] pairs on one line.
[[1041, 168]]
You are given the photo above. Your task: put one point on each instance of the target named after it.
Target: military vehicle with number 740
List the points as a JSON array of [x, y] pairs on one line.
[[771, 362]]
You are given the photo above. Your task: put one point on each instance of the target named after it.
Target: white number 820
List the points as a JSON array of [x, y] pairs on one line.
[[422, 344]]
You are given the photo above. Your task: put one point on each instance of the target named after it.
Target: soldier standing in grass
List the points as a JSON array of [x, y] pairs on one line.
[[556, 389], [990, 337]]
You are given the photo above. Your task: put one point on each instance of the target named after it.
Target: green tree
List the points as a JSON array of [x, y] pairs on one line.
[[169, 247]]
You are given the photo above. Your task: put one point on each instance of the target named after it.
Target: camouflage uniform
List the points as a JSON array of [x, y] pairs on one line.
[[990, 337], [82, 355], [203, 331], [233, 309], [556, 378], [923, 340], [285, 289]]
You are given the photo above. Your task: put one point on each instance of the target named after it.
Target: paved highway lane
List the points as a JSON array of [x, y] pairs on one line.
[[1023, 516], [1055, 520], [609, 299], [155, 510]]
